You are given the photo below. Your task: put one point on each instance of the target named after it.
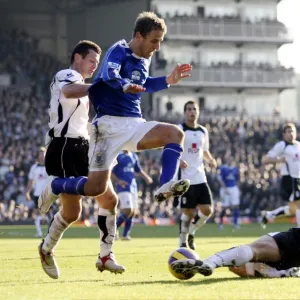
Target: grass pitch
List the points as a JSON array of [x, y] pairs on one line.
[[145, 257]]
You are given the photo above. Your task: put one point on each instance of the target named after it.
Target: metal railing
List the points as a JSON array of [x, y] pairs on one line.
[[236, 77], [199, 29]]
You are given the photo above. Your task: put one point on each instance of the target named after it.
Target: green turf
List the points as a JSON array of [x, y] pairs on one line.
[[145, 257]]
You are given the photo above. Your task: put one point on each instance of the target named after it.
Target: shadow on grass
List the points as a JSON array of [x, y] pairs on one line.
[[60, 256], [182, 282], [127, 283], [26, 282]]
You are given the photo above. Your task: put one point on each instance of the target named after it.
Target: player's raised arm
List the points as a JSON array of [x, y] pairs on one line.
[[155, 84], [179, 72]]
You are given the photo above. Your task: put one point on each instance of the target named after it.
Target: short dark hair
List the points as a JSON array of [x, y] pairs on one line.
[[190, 102], [147, 22], [83, 48], [287, 126]]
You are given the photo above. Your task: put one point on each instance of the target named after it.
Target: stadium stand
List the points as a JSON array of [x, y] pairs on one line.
[[23, 123]]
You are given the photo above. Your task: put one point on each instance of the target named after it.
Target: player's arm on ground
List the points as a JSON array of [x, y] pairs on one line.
[[274, 156], [139, 170]]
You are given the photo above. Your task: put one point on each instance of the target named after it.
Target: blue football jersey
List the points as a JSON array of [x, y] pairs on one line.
[[229, 175], [128, 164], [121, 67]]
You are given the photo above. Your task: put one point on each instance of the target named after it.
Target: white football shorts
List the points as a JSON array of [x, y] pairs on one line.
[[127, 200], [110, 135], [231, 197]]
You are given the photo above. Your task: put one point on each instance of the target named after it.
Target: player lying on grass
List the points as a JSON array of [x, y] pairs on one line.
[[276, 254]]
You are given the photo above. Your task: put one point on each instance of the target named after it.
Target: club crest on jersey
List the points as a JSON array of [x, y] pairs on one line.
[[193, 148], [113, 65], [99, 158], [136, 75]]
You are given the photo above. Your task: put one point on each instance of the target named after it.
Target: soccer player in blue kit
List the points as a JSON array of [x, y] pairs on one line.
[[229, 176], [118, 125], [123, 175]]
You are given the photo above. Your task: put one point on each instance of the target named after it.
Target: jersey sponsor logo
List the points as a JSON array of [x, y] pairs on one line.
[[101, 148], [193, 148], [136, 75], [128, 168], [113, 65], [296, 158], [230, 176], [99, 159]]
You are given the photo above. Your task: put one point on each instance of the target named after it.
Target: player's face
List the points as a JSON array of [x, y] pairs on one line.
[[41, 156], [89, 64], [289, 135], [192, 113], [230, 161], [149, 44]]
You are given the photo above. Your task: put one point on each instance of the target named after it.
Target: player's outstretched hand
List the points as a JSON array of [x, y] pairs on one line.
[[179, 72], [134, 89]]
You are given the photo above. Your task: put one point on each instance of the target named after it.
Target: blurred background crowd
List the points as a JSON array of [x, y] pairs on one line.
[[23, 121]]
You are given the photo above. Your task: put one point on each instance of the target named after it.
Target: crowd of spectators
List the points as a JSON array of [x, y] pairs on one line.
[[217, 18], [23, 123]]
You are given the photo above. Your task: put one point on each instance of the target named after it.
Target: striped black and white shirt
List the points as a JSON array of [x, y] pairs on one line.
[[291, 152], [68, 117], [196, 141]]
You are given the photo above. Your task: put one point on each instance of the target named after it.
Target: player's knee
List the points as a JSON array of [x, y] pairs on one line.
[[207, 211], [173, 134], [112, 200], [108, 201], [72, 216], [177, 135], [127, 212], [261, 247]]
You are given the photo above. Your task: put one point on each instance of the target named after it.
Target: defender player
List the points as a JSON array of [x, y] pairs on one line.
[[37, 180], [123, 175], [276, 254], [286, 152], [198, 196], [118, 125], [229, 191], [67, 153]]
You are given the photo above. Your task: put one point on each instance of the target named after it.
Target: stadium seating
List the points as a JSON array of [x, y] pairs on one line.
[[23, 123]]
